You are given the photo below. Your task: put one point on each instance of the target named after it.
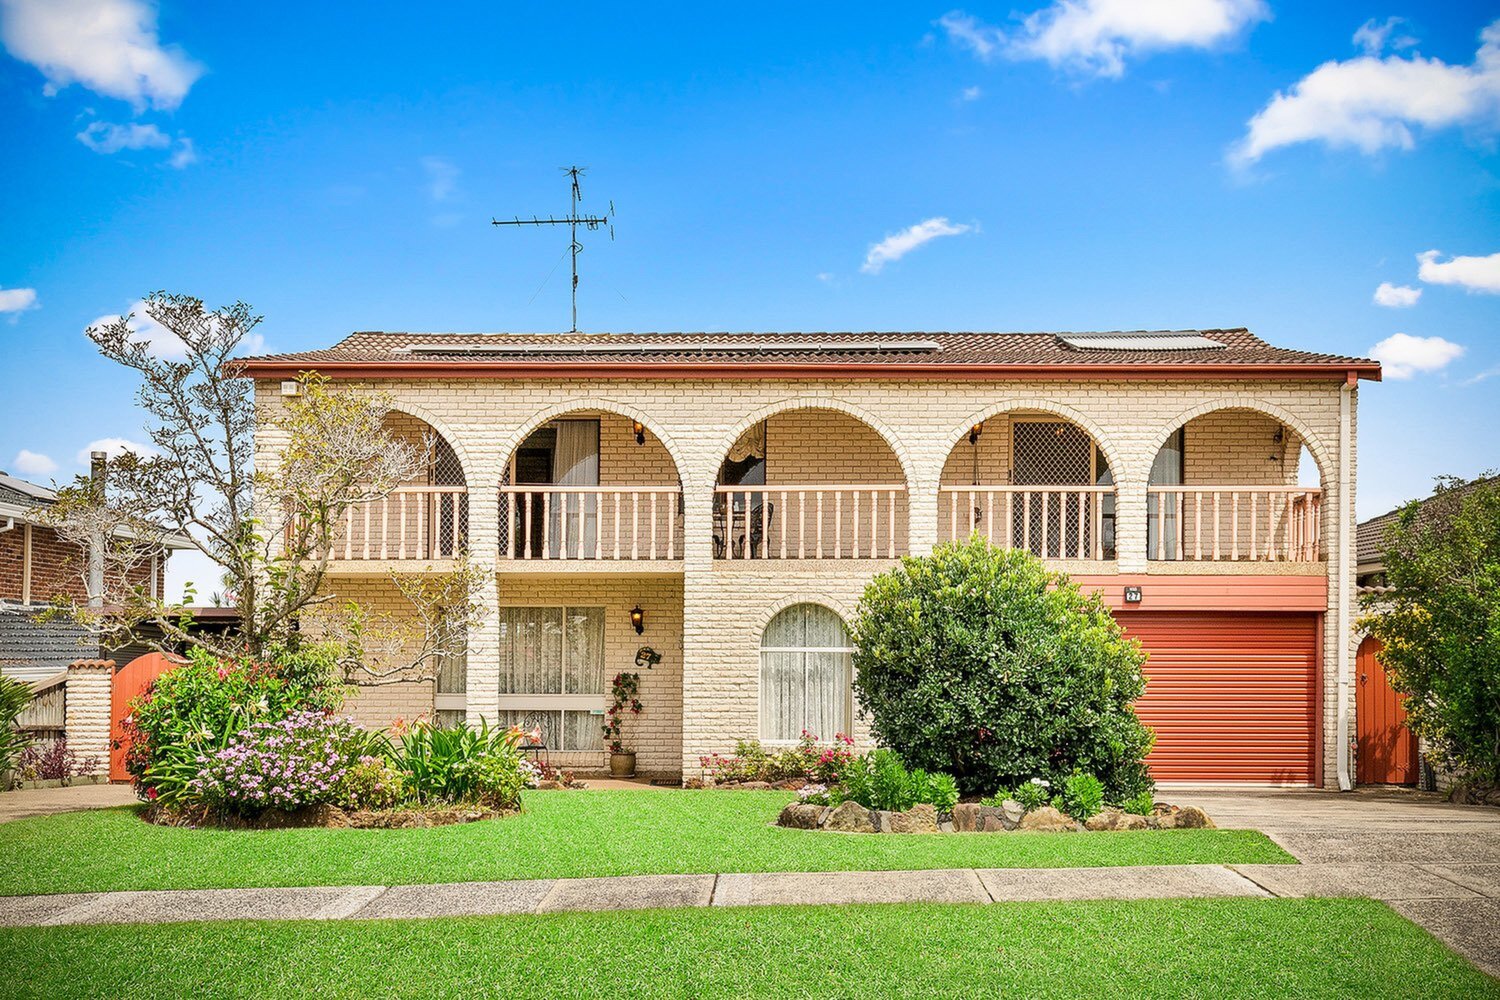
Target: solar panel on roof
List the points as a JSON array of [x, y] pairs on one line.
[[1166, 341], [685, 347]]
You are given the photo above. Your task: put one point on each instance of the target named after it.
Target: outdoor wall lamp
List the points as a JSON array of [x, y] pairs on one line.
[[638, 619], [640, 432], [975, 431]]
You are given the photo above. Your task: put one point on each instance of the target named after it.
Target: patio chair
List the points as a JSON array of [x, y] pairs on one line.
[[540, 737]]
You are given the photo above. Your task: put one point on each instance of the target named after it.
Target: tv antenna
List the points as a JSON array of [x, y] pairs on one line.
[[573, 220]]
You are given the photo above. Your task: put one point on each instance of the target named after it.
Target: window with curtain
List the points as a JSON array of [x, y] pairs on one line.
[[806, 669], [1162, 514], [552, 673]]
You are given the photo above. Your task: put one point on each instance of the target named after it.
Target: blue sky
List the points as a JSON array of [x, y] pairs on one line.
[[1088, 167]]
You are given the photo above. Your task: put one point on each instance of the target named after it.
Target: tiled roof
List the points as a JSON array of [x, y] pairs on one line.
[[19, 493], [32, 649], [1369, 536], [449, 350]]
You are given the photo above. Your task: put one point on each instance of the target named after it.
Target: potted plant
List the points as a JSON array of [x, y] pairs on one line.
[[625, 690]]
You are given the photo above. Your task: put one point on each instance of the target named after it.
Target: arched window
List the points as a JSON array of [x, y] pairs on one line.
[[806, 662]]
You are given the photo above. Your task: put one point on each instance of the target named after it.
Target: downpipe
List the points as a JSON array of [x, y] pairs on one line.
[[1345, 514]]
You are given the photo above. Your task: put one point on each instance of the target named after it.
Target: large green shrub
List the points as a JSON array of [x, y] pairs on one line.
[[196, 707], [979, 662], [1440, 623], [14, 697]]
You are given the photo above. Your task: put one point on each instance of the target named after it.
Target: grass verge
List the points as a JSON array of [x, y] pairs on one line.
[[560, 835], [1155, 948]]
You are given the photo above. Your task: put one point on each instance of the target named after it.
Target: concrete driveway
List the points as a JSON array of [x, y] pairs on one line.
[[1436, 863]]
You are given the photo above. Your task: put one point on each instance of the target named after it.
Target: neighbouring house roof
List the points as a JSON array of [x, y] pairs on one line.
[[1174, 353], [32, 650], [1369, 536], [20, 500]]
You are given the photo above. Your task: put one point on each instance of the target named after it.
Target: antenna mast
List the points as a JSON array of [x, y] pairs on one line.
[[572, 221]]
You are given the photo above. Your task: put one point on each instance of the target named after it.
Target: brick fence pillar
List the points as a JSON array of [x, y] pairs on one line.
[[86, 721]]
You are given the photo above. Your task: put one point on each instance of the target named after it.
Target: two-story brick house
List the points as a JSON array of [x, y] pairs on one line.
[[739, 491]]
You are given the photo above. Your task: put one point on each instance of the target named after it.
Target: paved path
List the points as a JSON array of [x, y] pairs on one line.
[[23, 802], [1425, 892]]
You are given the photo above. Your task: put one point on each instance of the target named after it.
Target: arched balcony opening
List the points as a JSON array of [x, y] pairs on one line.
[[591, 485], [1234, 485], [1033, 481], [426, 517], [810, 483]]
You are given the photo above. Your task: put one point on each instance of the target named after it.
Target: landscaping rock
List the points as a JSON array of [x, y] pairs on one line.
[[757, 786], [1047, 820], [966, 816], [1193, 818], [801, 816], [1109, 819], [945, 826], [918, 819], [849, 817], [1011, 813], [694, 783]]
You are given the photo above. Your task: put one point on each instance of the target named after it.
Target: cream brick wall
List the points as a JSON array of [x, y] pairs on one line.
[[696, 421], [378, 705], [655, 734], [86, 721]]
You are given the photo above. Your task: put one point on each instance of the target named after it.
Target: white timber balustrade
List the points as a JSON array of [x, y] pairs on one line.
[[543, 521], [1234, 523], [820, 521], [411, 522], [1053, 522]]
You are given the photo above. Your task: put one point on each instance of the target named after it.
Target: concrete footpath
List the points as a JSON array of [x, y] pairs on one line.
[[1417, 890]]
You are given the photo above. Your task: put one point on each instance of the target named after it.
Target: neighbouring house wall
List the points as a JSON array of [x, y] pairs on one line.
[[697, 420], [58, 568]]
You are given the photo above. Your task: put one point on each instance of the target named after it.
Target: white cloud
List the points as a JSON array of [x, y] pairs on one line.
[[971, 94], [1374, 37], [968, 32], [15, 300], [1373, 103], [109, 46], [165, 344], [1478, 377], [1097, 36], [105, 137], [1396, 296], [113, 447], [1401, 355], [184, 155], [442, 177], [1477, 274], [898, 245], [31, 463]]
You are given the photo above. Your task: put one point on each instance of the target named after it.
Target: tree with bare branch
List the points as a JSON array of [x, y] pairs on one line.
[[272, 530]]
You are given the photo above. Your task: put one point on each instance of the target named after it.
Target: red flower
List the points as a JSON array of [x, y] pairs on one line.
[[151, 793]]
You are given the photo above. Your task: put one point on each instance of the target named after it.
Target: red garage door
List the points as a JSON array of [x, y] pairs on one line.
[[1232, 695]]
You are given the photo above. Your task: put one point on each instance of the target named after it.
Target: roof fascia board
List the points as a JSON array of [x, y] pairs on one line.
[[1339, 371]]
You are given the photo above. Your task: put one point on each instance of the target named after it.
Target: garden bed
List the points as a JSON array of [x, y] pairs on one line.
[[326, 817], [972, 817]]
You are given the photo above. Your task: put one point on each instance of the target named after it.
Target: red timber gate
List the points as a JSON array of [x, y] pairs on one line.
[[129, 682]]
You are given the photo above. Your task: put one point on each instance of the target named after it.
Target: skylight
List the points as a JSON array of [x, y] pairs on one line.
[[1170, 340]]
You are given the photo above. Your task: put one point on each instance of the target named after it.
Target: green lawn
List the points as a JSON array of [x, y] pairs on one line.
[[560, 834], [1179, 948]]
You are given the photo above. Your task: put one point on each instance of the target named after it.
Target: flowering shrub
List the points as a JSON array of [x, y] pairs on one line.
[[808, 760], [297, 761], [196, 707], [370, 783], [625, 692]]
